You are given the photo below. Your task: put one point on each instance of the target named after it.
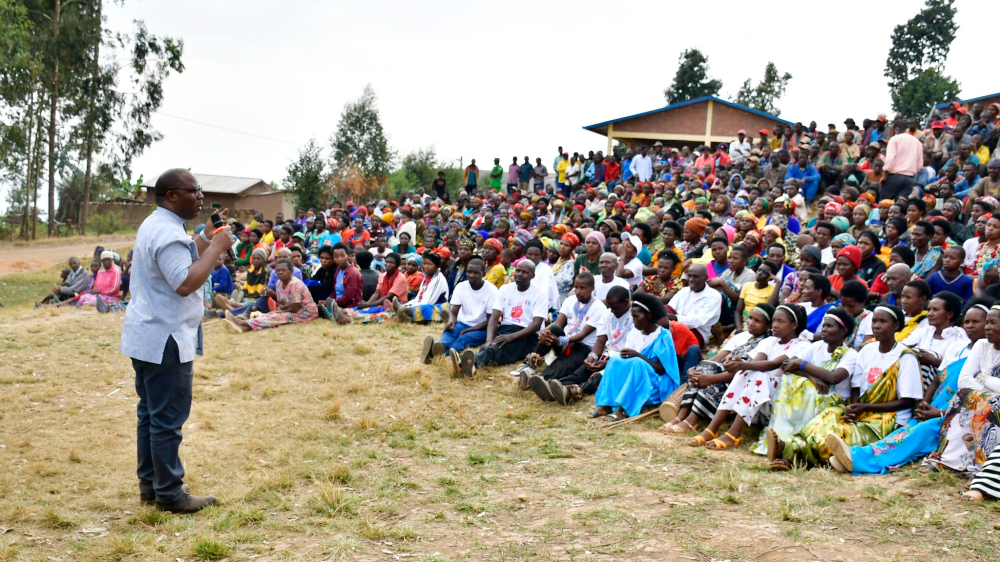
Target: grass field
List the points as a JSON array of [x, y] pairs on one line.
[[335, 443]]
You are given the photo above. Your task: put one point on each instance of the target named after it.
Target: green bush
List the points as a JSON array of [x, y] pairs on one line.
[[107, 223]]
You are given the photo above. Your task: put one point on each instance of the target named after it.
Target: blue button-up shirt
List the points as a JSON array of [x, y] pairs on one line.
[[161, 258]]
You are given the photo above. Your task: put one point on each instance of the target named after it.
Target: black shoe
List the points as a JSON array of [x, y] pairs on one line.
[[187, 504], [559, 392], [148, 497], [468, 363], [428, 351], [541, 388]]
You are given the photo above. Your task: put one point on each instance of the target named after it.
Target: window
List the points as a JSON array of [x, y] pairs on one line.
[[216, 205]]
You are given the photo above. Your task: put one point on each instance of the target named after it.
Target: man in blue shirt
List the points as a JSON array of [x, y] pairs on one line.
[[524, 177], [626, 165], [162, 333], [806, 173]]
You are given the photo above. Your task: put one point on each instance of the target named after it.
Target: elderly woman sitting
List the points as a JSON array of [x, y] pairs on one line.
[[292, 303], [105, 292]]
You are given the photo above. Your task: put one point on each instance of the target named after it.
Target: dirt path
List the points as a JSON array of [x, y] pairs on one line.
[[22, 259]]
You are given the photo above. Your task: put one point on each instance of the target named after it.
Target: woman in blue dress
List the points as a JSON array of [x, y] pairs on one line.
[[921, 436], [639, 378]]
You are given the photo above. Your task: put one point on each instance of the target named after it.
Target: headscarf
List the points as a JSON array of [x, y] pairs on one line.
[[415, 258], [521, 236], [443, 252], [560, 229], [772, 228], [832, 207], [494, 243], [845, 239], [765, 202], [483, 233], [786, 202], [840, 222], [885, 204], [598, 236], [752, 238], [410, 229], [388, 218], [697, 225], [467, 242], [572, 239], [549, 243], [852, 253], [730, 232], [867, 210]]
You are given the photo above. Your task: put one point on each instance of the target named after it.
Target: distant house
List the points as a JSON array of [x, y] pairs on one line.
[[238, 194], [707, 120]]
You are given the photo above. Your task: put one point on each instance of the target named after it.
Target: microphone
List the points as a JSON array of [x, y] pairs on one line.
[[219, 225]]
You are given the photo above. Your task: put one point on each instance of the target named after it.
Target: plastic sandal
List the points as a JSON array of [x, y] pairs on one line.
[[720, 445], [699, 441]]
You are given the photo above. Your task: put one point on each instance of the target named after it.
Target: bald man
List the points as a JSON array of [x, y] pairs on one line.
[[896, 277], [696, 306], [524, 307]]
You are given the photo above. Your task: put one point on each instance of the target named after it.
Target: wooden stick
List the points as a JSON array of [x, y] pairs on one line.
[[649, 414]]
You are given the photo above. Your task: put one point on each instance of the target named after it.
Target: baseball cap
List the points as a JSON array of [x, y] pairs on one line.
[[881, 117], [765, 132], [657, 143], [741, 132], [632, 239], [937, 125]]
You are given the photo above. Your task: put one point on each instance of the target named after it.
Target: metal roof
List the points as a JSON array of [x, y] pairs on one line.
[[970, 100], [229, 185], [691, 102]]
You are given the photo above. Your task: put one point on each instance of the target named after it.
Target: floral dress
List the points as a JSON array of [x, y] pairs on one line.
[[654, 286], [750, 392], [987, 257], [704, 401], [294, 292]]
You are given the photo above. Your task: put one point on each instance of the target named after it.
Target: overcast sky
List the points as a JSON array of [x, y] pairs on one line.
[[485, 79]]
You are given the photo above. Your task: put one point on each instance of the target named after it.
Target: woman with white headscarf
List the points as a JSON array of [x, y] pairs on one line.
[[106, 289]]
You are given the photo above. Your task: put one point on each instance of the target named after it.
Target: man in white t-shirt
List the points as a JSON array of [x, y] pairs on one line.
[[629, 266], [569, 339], [609, 341], [512, 331], [472, 301], [607, 265]]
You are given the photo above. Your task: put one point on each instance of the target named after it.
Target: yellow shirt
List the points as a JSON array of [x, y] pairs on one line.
[[268, 238], [983, 154], [752, 296], [561, 168], [496, 275]]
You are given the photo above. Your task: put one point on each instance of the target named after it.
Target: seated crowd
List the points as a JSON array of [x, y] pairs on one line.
[[838, 289]]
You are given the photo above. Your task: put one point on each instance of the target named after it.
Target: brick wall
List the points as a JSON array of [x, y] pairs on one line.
[[687, 120], [727, 120], [132, 214]]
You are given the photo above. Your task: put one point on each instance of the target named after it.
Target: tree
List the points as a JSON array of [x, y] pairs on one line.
[[919, 50], [766, 93], [691, 80], [307, 177], [360, 145]]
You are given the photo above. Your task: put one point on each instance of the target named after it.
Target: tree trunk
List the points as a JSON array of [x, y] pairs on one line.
[[53, 102], [38, 169], [31, 168], [85, 206]]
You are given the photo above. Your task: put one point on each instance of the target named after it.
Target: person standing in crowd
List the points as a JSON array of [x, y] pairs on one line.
[[539, 174], [471, 176], [904, 157], [513, 173], [496, 175], [162, 333], [524, 177], [642, 165]]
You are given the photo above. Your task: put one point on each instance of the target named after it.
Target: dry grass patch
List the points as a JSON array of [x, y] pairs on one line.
[[345, 453]]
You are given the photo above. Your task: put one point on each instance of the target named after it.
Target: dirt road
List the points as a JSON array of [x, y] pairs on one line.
[[21, 259]]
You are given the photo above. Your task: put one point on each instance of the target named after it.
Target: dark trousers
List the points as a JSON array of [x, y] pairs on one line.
[[690, 360], [896, 186], [585, 379], [164, 405], [511, 352], [567, 360]]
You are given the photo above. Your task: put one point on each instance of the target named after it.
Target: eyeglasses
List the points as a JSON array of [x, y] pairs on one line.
[[197, 189]]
